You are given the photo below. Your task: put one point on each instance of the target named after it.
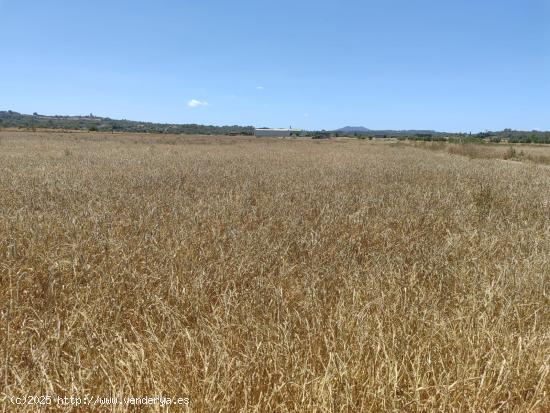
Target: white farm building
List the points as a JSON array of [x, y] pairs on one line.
[[274, 133]]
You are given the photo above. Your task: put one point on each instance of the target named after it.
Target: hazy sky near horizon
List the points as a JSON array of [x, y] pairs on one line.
[[465, 65]]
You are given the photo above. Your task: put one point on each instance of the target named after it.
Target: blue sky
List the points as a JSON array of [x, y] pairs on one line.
[[462, 65]]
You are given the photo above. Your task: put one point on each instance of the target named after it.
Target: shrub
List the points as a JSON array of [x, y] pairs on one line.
[[511, 153]]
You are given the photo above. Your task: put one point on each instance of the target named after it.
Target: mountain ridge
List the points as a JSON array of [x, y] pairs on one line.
[[353, 129], [364, 130]]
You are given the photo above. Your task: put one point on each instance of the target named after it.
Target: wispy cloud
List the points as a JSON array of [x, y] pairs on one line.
[[260, 88], [194, 103], [306, 115]]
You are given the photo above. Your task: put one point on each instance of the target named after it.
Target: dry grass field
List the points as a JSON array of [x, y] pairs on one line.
[[272, 275], [535, 153]]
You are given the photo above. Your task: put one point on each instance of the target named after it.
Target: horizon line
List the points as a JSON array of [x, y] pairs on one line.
[[92, 116]]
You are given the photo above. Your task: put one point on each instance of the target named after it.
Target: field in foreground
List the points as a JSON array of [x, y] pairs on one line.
[[258, 275]]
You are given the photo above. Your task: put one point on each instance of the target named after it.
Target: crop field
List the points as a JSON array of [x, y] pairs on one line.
[[512, 152], [261, 275]]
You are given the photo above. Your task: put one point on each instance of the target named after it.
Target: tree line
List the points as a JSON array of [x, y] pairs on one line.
[[10, 119]]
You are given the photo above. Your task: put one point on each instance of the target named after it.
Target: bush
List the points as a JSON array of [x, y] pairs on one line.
[[511, 153]]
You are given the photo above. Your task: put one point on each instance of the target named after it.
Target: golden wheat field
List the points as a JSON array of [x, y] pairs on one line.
[[253, 275]]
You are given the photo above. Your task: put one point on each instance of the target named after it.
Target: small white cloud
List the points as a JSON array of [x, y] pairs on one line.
[[194, 103], [306, 115], [259, 88]]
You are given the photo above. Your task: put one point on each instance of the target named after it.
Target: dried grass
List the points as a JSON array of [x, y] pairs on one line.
[[532, 153], [258, 275]]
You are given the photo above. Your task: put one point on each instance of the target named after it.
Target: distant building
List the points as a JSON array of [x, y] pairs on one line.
[[274, 133]]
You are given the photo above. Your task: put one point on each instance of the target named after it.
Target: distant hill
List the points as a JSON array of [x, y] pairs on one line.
[[361, 130], [353, 129], [10, 119]]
